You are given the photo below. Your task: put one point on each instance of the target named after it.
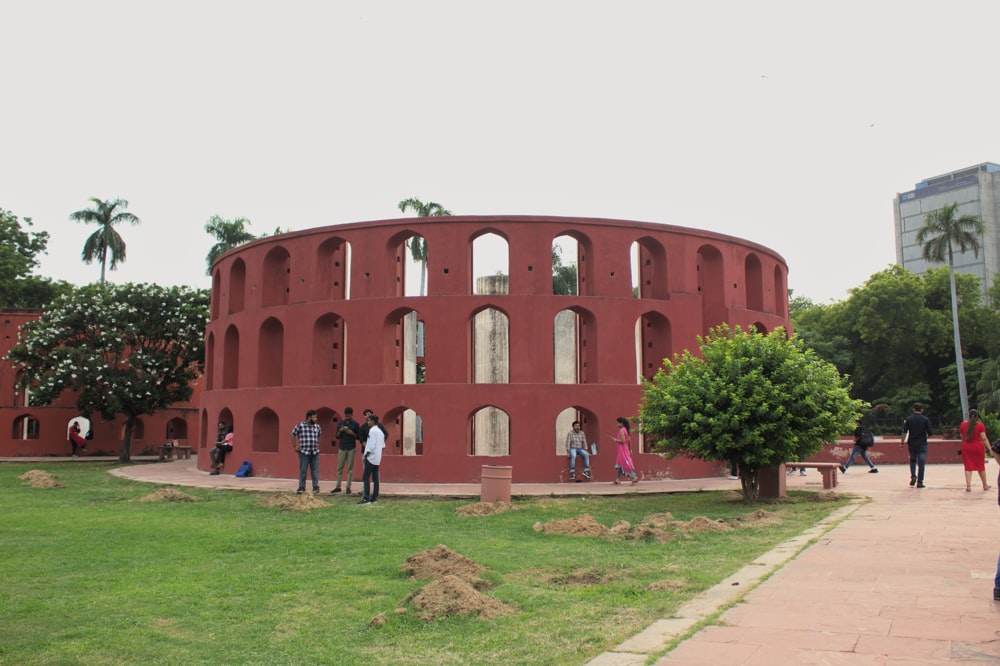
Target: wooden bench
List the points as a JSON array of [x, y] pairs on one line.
[[168, 451], [827, 469]]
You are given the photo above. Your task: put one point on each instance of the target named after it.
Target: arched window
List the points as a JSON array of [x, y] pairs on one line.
[[265, 431], [270, 353], [490, 432], [490, 347], [276, 278]]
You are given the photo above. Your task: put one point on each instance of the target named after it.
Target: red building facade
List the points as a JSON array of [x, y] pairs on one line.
[[476, 372]]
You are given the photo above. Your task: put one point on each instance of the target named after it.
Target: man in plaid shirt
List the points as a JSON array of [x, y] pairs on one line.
[[576, 443], [305, 439]]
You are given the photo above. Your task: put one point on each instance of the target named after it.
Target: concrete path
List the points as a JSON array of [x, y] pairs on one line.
[[903, 579]]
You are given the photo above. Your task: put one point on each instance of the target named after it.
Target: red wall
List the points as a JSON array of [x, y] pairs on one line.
[[284, 333]]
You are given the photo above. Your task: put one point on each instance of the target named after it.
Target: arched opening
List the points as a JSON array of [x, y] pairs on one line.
[[216, 294], [411, 254], [405, 428], [265, 431], [649, 269], [328, 350], [177, 428], [575, 346], [333, 269], [210, 362], [565, 269], [564, 423], [654, 343], [231, 358], [711, 288], [26, 426], [400, 334], [270, 353], [490, 347], [237, 286], [754, 279], [138, 431], [490, 432], [780, 293], [490, 264], [276, 277]]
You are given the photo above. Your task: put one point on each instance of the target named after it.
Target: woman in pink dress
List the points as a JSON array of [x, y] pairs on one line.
[[623, 454], [975, 448]]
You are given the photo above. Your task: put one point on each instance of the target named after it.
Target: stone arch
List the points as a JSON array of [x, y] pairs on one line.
[[589, 423], [138, 430], [404, 266], [216, 294], [203, 436], [753, 278], [329, 336], [575, 346], [26, 426], [489, 432], [759, 327], [210, 362], [585, 284], [237, 286], [276, 277], [405, 428], [399, 330], [497, 244], [710, 287], [231, 358], [490, 346], [650, 264], [177, 428], [270, 352], [265, 431], [780, 293], [333, 269], [654, 339]]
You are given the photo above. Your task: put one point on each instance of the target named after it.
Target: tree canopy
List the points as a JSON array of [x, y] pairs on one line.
[[105, 243], [20, 250], [227, 234], [130, 349], [755, 399]]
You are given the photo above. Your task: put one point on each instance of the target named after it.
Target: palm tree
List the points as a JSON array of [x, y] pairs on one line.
[[106, 241], [418, 245], [229, 234], [943, 230]]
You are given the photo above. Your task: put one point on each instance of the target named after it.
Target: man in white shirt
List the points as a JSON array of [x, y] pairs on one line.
[[373, 457]]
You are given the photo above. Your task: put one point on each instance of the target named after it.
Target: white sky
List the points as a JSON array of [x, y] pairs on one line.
[[792, 124]]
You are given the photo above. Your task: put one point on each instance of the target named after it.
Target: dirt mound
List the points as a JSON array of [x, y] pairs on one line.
[[452, 595], [303, 502], [703, 524], [759, 517], [37, 478], [580, 578], [582, 525], [666, 586], [484, 508], [824, 497], [167, 495], [661, 520], [439, 562]]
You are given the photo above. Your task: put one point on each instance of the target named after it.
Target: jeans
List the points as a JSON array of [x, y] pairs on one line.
[[572, 459], [918, 460], [345, 459], [370, 475], [996, 580], [310, 461], [863, 452]]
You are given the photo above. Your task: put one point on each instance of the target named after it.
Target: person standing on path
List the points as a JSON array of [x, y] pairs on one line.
[[916, 430], [623, 453], [373, 458], [305, 439], [576, 444], [76, 440], [975, 448], [863, 440], [349, 434]]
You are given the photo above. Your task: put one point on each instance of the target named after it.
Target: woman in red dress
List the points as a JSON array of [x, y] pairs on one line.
[[975, 448]]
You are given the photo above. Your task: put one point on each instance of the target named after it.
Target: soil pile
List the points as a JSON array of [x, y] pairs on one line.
[[484, 508], [582, 525], [441, 561], [167, 495], [303, 502], [37, 478], [452, 595]]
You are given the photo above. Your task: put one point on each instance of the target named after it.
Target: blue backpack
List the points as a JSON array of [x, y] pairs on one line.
[[246, 469]]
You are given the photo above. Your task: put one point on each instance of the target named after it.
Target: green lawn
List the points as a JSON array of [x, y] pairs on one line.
[[89, 577]]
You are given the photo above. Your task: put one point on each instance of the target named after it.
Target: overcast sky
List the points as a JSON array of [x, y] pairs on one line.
[[791, 124]]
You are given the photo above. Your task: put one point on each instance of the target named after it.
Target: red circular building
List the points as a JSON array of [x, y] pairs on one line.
[[490, 367]]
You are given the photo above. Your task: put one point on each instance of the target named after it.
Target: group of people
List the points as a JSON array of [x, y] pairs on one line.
[[371, 435], [576, 447]]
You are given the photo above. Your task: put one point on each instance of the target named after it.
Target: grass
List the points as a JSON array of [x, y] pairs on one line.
[[90, 577]]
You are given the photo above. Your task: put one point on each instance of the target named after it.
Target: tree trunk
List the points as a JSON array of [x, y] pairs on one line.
[[750, 480], [963, 393], [126, 454]]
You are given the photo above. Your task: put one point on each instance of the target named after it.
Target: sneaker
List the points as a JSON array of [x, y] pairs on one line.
[[873, 470], [373, 502], [347, 492], [734, 478], [364, 501], [790, 472], [996, 594], [336, 490], [572, 476], [921, 485], [802, 472], [315, 491], [843, 470], [215, 473], [913, 481], [586, 474], [300, 491]]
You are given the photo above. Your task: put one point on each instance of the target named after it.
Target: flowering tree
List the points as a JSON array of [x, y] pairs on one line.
[[759, 400], [126, 349]]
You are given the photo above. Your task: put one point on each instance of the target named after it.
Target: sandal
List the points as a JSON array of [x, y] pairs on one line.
[[617, 482], [968, 489], [985, 488]]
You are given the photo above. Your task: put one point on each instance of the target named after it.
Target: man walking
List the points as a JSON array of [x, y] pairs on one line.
[[373, 458], [916, 430], [305, 439], [576, 444], [349, 434]]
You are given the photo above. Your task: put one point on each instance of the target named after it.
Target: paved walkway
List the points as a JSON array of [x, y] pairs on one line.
[[905, 579]]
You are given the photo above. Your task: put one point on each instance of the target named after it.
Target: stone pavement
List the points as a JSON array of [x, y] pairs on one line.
[[903, 579]]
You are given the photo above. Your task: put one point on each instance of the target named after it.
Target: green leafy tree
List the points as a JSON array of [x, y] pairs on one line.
[[418, 244], [988, 388], [758, 400], [106, 243], [131, 349], [564, 278], [227, 234], [20, 249], [943, 231]]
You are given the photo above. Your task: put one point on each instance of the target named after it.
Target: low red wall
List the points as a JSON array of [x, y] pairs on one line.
[[889, 451]]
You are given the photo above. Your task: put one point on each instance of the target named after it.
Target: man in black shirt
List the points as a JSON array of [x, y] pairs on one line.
[[916, 430], [348, 435]]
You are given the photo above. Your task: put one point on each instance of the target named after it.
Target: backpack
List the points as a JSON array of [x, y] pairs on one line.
[[866, 438], [89, 436], [245, 470]]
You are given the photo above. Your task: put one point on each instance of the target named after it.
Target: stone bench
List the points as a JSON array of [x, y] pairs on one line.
[[168, 451], [827, 469]]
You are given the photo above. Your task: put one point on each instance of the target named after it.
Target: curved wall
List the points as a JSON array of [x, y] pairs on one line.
[[319, 319]]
